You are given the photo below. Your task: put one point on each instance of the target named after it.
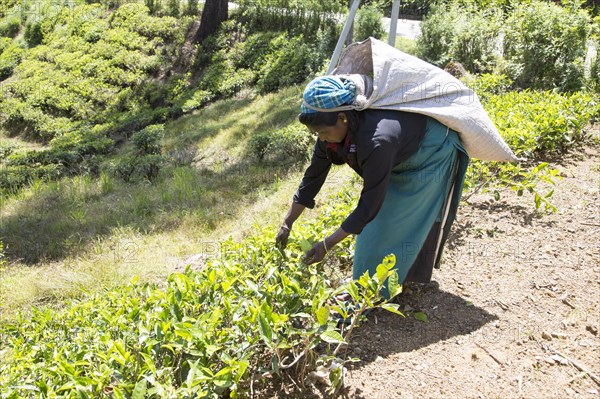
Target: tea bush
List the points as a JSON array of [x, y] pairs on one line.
[[537, 44], [10, 57], [251, 315], [438, 31], [293, 60], [537, 126], [291, 143], [542, 124], [468, 36], [10, 26], [136, 168], [148, 140]]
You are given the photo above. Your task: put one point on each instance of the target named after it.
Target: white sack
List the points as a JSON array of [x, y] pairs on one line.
[[406, 83]]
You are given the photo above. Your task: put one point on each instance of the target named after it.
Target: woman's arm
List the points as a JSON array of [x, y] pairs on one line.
[[311, 184], [284, 231]]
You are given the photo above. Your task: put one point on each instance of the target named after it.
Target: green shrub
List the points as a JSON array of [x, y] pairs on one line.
[[438, 32], [259, 144], [9, 59], [33, 33], [291, 143], [454, 33], [292, 63], [545, 46], [251, 52], [476, 44], [191, 8], [368, 23], [487, 85], [540, 124], [15, 177], [84, 142], [221, 78], [173, 8], [5, 42], [137, 168], [198, 99], [9, 27], [148, 140], [5, 151], [253, 316]]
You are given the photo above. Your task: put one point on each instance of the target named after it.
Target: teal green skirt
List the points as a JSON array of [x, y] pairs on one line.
[[424, 189]]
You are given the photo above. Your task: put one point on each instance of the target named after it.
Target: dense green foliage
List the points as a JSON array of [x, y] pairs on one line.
[[95, 74], [538, 45], [251, 313], [536, 125], [290, 143], [297, 17], [88, 78], [368, 23], [545, 46]]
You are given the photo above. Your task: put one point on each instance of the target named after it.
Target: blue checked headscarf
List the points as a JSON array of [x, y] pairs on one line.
[[327, 92]]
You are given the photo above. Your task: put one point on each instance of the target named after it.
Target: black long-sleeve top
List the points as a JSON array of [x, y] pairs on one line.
[[382, 140]]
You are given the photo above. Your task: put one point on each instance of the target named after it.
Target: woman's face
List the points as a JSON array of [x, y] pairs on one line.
[[333, 134]]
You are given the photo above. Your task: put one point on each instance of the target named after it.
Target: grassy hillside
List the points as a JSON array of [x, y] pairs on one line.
[[85, 232]]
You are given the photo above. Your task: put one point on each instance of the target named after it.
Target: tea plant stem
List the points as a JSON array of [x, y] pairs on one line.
[[349, 332], [287, 366], [478, 188]]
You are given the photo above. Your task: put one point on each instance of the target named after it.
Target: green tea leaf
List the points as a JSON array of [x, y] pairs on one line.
[[393, 287], [322, 315], [332, 337], [382, 273], [139, 392], [305, 245], [265, 329], [352, 290], [421, 317], [392, 307]]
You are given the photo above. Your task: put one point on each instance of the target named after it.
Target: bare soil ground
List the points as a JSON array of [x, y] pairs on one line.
[[514, 311]]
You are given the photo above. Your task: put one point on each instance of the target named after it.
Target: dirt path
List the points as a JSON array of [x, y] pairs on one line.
[[514, 312]]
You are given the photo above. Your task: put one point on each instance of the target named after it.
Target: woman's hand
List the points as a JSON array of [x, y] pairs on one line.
[[320, 249], [282, 237], [316, 253], [284, 231]]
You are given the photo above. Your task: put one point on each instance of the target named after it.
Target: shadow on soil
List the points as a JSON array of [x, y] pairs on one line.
[[386, 333]]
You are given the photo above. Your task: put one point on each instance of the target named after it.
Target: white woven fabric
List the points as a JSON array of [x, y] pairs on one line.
[[406, 83]]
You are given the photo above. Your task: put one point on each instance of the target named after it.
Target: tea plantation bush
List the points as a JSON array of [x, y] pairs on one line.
[[291, 143], [86, 81], [104, 69], [537, 125], [545, 46], [452, 33], [253, 313]]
